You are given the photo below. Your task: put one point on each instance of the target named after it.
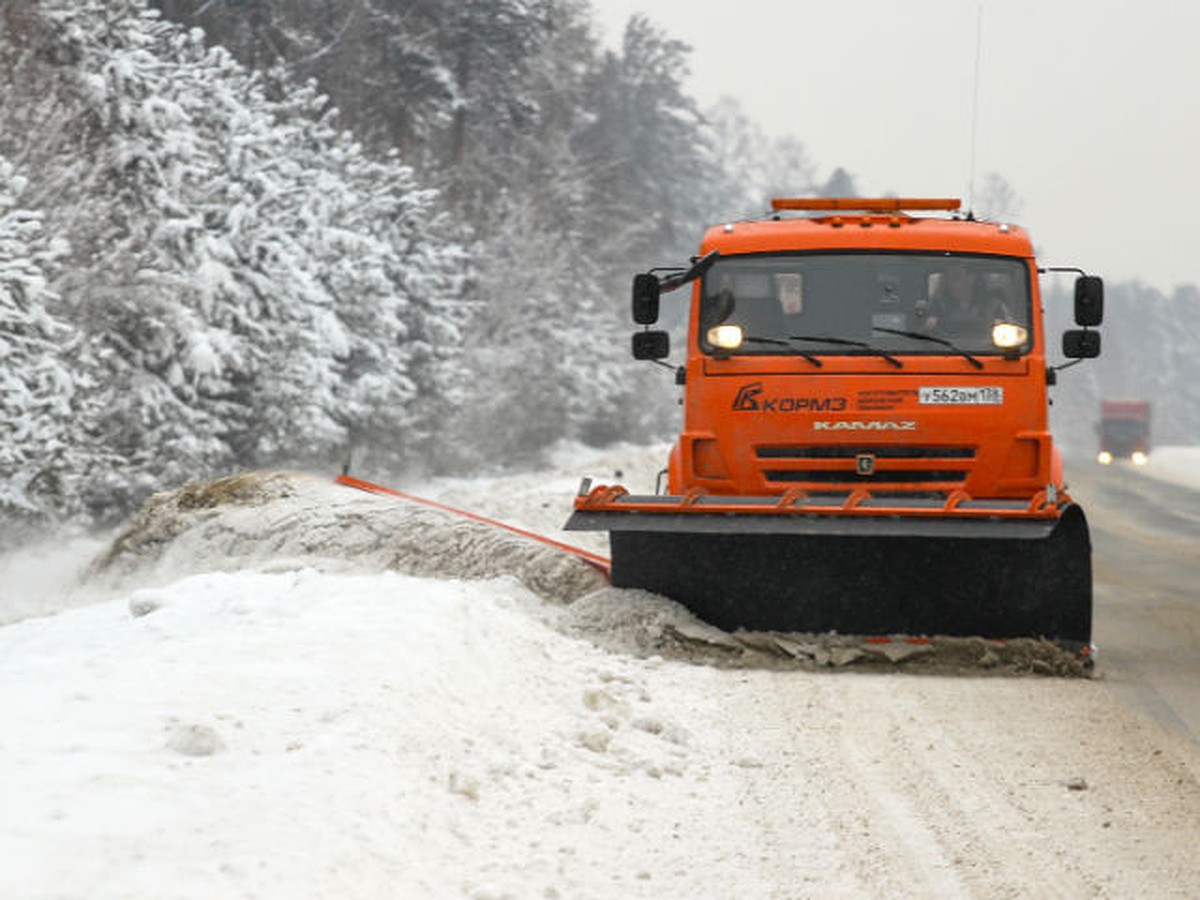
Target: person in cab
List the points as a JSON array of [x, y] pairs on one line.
[[960, 305]]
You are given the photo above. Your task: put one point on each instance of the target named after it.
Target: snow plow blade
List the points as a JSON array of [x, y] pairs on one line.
[[990, 569]]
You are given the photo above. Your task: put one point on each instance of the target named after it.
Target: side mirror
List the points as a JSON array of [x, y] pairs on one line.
[[1089, 300], [651, 345], [646, 291], [1081, 344]]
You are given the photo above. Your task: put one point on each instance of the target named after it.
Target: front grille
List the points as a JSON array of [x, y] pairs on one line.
[[837, 476], [892, 465], [887, 451]]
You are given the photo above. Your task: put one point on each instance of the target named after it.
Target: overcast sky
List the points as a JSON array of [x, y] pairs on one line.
[[1089, 109]]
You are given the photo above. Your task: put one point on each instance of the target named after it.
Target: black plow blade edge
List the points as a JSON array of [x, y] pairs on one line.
[[990, 587]]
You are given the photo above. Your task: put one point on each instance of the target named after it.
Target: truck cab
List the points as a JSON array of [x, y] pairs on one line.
[[872, 350]]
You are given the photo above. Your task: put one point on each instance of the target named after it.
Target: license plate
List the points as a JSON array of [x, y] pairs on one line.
[[962, 396]]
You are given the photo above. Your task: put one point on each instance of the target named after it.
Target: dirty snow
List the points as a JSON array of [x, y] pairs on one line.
[[261, 692]]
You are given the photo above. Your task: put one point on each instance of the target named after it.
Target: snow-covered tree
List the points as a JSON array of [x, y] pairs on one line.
[[379, 60], [42, 451], [840, 183], [753, 165], [1148, 352], [997, 199], [644, 145], [250, 286]]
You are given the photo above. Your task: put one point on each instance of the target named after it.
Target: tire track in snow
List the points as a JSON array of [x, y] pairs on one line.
[[919, 787]]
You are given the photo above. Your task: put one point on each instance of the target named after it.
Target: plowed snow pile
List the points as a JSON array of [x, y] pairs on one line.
[[297, 690], [275, 521]]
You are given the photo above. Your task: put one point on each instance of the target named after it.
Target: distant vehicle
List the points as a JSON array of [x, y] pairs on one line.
[[1124, 431]]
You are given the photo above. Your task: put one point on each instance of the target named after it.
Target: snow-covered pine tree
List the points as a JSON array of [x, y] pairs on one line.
[[1148, 353], [379, 60], [549, 337], [505, 110], [752, 166], [252, 289], [646, 146], [42, 455], [1151, 352]]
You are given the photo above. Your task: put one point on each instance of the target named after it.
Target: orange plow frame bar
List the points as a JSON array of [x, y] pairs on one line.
[[796, 504], [592, 559]]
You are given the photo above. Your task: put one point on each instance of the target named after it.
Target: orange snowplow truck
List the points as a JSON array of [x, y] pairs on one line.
[[865, 446]]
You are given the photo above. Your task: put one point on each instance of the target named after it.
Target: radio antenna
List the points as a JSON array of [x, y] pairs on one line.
[[975, 109]]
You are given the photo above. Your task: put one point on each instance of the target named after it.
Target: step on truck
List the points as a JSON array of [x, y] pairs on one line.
[[864, 446]]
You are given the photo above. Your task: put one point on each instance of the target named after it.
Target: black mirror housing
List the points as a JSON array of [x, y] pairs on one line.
[[646, 292], [1089, 300], [1081, 344], [651, 345]]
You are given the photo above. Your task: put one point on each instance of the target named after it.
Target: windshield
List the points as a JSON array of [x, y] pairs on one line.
[[862, 303]]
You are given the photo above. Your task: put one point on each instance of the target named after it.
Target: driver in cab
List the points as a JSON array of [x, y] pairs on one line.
[[960, 306]]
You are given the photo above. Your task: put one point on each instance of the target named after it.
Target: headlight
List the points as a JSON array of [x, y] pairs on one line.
[[1008, 335], [1105, 458], [727, 337], [1138, 458]]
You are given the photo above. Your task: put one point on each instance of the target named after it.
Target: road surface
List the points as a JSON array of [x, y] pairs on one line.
[[1146, 563]]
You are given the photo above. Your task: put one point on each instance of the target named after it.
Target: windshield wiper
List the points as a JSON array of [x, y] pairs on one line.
[[848, 343], [916, 335], [762, 340]]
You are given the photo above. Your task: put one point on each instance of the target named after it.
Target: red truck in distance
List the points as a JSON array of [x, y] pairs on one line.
[[1124, 431]]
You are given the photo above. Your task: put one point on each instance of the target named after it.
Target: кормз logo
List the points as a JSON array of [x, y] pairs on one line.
[[750, 399], [747, 396]]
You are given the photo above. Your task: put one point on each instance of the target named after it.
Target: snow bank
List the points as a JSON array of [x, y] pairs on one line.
[[276, 521], [309, 735]]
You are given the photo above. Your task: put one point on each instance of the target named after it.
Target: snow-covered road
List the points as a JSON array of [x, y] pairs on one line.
[[255, 707]]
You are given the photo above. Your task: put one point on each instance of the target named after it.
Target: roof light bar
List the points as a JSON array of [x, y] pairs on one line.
[[866, 204]]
